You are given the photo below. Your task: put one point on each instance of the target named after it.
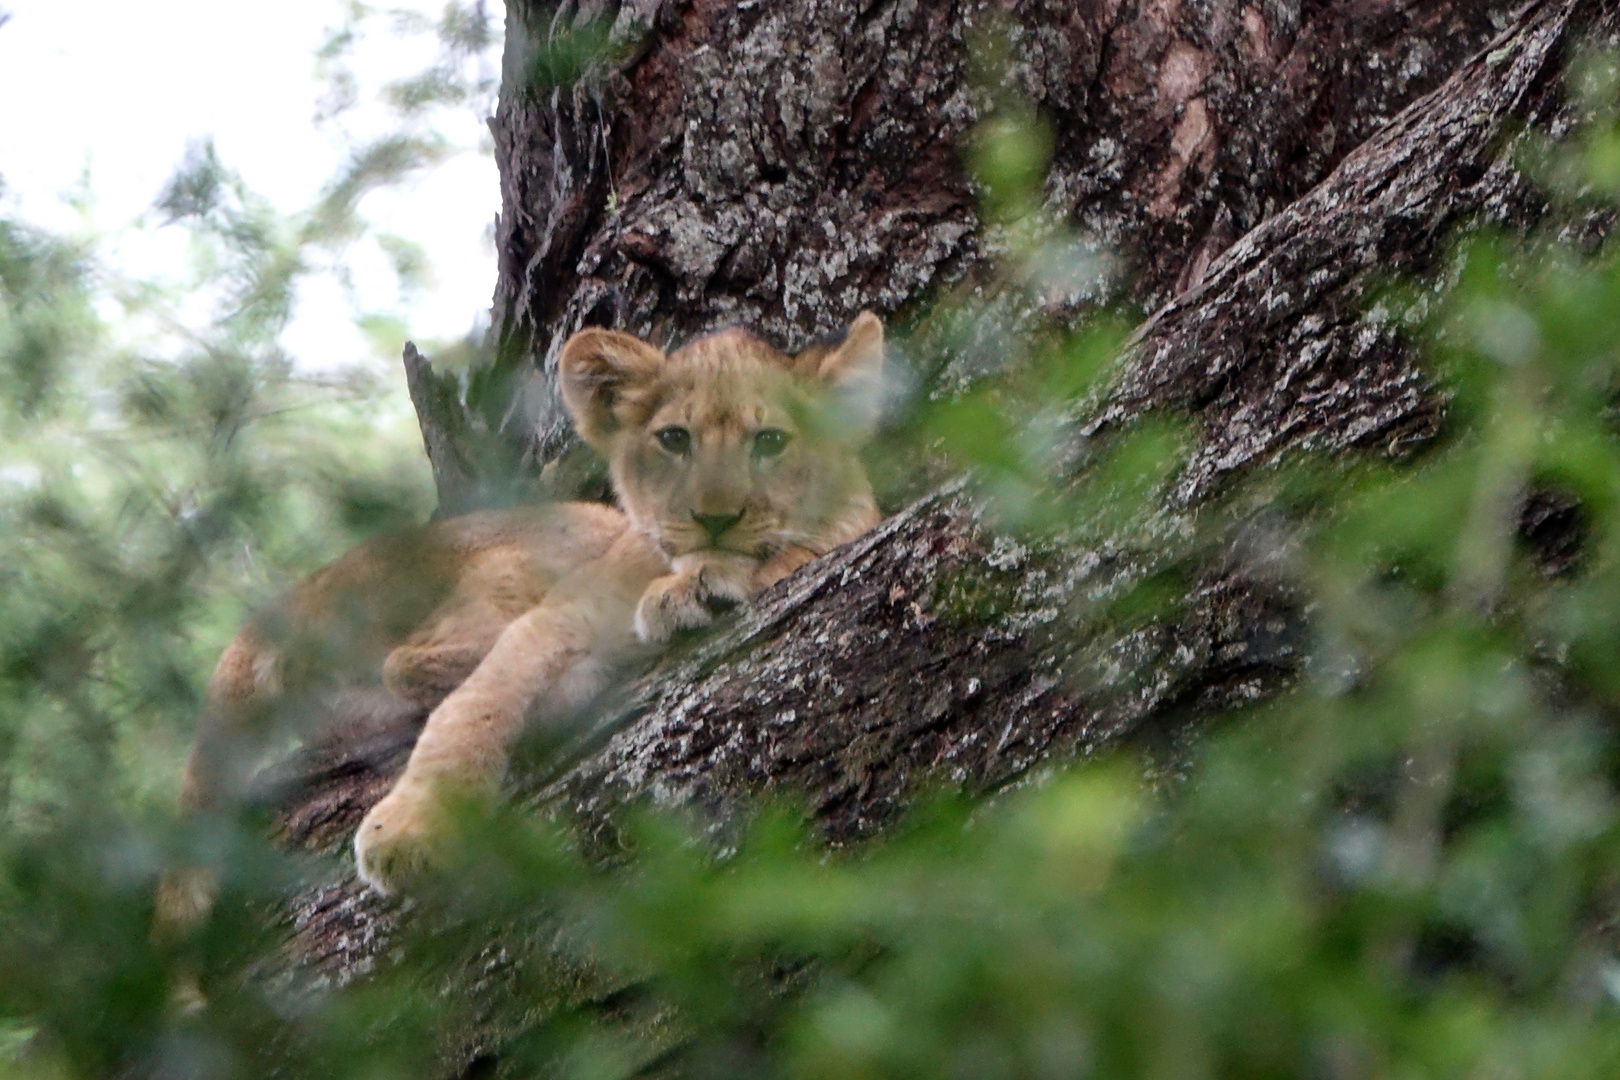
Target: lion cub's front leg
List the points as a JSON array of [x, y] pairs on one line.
[[551, 661]]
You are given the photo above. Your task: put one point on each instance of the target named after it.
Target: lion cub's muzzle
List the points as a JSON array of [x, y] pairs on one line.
[[716, 524], [747, 533]]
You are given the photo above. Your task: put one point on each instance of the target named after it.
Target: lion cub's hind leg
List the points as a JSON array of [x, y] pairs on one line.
[[497, 587]]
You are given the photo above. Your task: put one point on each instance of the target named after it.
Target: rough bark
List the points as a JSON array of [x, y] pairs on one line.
[[788, 164]]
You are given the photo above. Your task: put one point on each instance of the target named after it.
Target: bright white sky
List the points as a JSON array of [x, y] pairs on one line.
[[119, 89]]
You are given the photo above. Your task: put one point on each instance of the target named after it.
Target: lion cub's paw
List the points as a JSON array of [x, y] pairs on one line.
[[395, 844], [690, 598]]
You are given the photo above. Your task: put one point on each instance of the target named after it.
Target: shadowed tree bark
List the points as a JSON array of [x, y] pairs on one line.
[[1261, 168]]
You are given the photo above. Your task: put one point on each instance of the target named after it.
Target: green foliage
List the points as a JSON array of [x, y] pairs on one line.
[[157, 482]]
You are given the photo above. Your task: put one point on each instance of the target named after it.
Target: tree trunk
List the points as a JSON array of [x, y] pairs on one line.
[[1262, 168], [785, 165]]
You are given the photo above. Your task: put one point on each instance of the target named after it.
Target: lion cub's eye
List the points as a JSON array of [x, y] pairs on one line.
[[677, 440], [770, 442]]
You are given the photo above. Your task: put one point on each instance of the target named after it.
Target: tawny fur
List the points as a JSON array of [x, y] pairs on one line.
[[501, 618]]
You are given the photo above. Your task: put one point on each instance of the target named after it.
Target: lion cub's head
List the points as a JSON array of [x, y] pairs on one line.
[[728, 445]]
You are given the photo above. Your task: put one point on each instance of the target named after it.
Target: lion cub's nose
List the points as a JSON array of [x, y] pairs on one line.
[[716, 524]]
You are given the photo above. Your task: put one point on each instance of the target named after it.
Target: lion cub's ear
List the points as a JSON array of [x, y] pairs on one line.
[[853, 369], [600, 372]]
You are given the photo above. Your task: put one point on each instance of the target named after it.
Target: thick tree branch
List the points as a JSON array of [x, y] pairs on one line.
[[1281, 346]]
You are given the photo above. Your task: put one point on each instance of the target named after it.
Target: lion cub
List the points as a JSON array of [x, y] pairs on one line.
[[734, 464]]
